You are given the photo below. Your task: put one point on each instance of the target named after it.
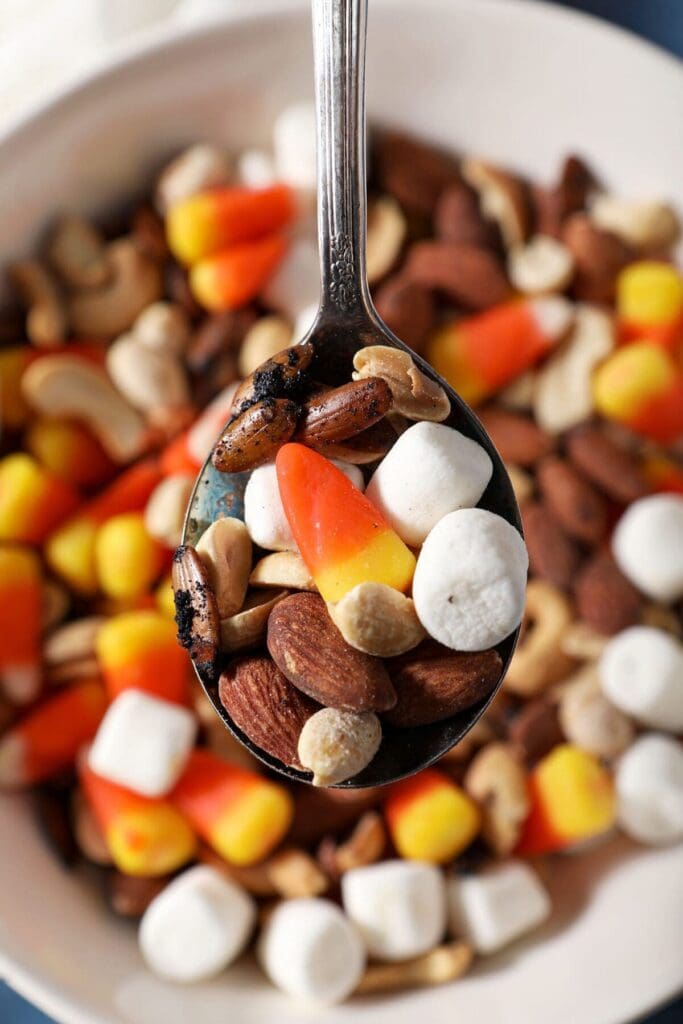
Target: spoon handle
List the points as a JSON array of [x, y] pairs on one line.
[[339, 32]]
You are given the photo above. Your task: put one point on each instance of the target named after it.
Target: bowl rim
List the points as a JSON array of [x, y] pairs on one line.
[[156, 40]]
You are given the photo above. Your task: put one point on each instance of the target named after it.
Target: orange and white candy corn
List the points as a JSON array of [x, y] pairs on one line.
[[650, 303], [128, 559], [33, 501], [641, 386], [69, 451], [21, 596], [430, 818], [138, 650], [233, 277]]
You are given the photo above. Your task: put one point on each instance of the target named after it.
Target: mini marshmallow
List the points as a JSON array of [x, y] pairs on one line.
[[264, 515], [295, 285], [196, 926], [398, 906], [649, 785], [641, 673], [309, 949], [294, 145], [648, 546], [255, 168], [470, 580], [496, 906], [143, 743], [431, 470]]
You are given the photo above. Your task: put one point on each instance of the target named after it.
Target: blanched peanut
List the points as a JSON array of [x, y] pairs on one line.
[[165, 509], [267, 337], [377, 620], [197, 168], [248, 627], [335, 745], [413, 394], [164, 327], [225, 550], [282, 569], [542, 265]]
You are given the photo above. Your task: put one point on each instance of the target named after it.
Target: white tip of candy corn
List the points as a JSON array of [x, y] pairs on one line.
[[554, 315]]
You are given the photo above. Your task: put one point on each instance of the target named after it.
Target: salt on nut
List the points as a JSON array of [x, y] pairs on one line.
[[46, 320], [76, 252], [542, 265], [387, 229], [589, 720], [134, 283], [335, 745], [166, 507], [470, 580], [69, 387], [148, 378], [196, 926], [496, 779], [497, 905], [196, 169], [310, 950], [641, 672], [398, 906], [164, 327], [646, 224], [294, 146], [282, 569], [649, 787], [225, 550], [377, 620], [430, 471], [414, 395], [268, 336], [247, 628], [538, 659], [647, 546], [502, 197]]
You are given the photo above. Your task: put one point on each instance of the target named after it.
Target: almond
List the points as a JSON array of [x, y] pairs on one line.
[[458, 219], [516, 437], [414, 173], [408, 309], [284, 375], [605, 599], [536, 729], [255, 435], [265, 706], [553, 554], [471, 277], [569, 195], [615, 471], [433, 683], [598, 255], [575, 503], [309, 649], [343, 412], [196, 610]]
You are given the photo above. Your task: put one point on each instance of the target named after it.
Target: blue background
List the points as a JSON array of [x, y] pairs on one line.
[[661, 21]]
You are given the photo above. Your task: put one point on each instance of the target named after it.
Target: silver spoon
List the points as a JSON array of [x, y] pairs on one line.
[[345, 322]]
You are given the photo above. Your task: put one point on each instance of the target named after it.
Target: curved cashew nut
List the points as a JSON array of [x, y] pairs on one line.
[[538, 660], [135, 283], [387, 229], [497, 781], [502, 197], [148, 378], [76, 251], [46, 322]]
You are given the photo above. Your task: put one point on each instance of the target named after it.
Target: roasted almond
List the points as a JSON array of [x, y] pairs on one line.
[[612, 469], [575, 503], [433, 682], [411, 171], [472, 277], [569, 195], [553, 554], [368, 446], [284, 375], [536, 729], [196, 610], [307, 646], [516, 437], [343, 412], [458, 219], [265, 706], [408, 309], [605, 599], [255, 435], [598, 255], [129, 895]]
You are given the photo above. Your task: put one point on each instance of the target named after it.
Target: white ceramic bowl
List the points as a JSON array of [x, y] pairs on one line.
[[520, 82]]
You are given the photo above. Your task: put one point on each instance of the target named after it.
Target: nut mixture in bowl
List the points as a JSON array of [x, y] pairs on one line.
[[556, 310]]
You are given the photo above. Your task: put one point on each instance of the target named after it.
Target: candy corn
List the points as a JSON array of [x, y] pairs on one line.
[[641, 386], [164, 598], [139, 650], [32, 500], [240, 814], [212, 221], [186, 453], [14, 410], [21, 595], [47, 740], [177, 458], [481, 354], [342, 537], [69, 451], [430, 818], [572, 799], [650, 303], [233, 277], [146, 837], [663, 474], [128, 560]]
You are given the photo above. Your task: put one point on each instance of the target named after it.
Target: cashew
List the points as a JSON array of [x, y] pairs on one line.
[[662, 618], [502, 197], [225, 550], [46, 320], [247, 628], [335, 745], [563, 394], [149, 378], [414, 395], [164, 327], [589, 720], [70, 672], [110, 310], [442, 964], [365, 845], [268, 336], [539, 660], [519, 395], [165, 509], [295, 875], [581, 642], [69, 387], [387, 229], [497, 781], [73, 641], [542, 265], [55, 604], [645, 224], [377, 620], [522, 483], [200, 167], [76, 252], [282, 569]]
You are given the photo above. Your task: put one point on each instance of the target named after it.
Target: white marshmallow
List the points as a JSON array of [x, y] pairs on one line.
[[255, 168], [496, 906], [470, 580], [641, 672], [398, 906], [309, 949], [143, 743], [264, 515], [648, 546], [649, 784], [430, 471], [294, 145], [196, 926], [295, 285]]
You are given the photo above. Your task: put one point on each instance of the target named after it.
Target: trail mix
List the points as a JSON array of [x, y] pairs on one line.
[[557, 311]]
